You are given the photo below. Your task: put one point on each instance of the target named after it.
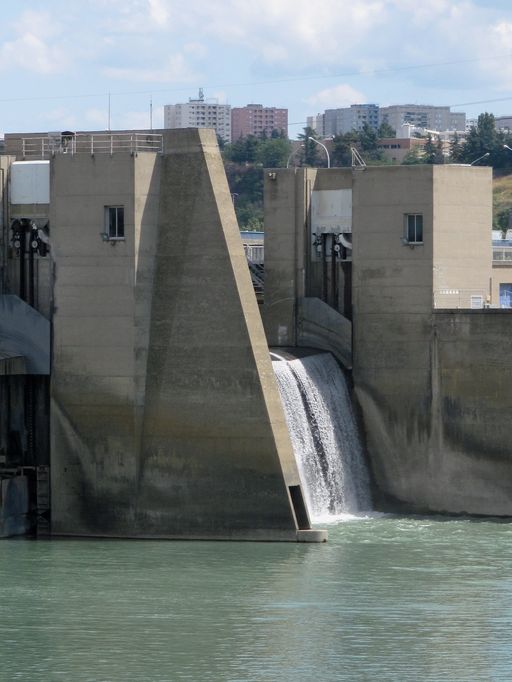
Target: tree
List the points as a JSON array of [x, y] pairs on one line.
[[413, 157], [429, 150], [310, 151], [368, 144], [433, 151], [385, 130], [273, 153], [439, 155], [456, 149], [484, 139], [341, 154]]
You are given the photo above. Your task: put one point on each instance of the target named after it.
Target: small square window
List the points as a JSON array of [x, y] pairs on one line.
[[413, 228], [114, 222]]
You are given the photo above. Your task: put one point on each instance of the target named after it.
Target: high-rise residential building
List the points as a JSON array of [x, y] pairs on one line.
[[255, 119], [503, 123], [200, 113], [346, 119], [423, 116], [317, 123]]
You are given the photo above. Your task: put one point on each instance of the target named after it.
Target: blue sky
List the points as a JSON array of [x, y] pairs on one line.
[[59, 60]]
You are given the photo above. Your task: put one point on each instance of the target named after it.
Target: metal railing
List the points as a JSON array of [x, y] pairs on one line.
[[254, 253], [90, 143], [502, 255]]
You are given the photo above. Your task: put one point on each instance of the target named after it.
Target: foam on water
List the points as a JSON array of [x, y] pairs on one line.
[[325, 438]]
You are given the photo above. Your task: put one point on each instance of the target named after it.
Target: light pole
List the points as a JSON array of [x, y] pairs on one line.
[[325, 148], [505, 146], [484, 156], [293, 154]]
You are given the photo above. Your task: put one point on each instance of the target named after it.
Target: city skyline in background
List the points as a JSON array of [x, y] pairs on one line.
[[65, 66]]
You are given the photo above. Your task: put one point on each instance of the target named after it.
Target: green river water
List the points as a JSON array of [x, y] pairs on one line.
[[385, 599]]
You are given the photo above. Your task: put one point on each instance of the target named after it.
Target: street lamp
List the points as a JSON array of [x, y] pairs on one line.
[[293, 154], [325, 148], [484, 156], [505, 146]]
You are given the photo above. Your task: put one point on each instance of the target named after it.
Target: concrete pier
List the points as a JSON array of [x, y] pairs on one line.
[[166, 419]]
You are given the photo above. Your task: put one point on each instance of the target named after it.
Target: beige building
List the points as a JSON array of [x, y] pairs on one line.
[[396, 149]]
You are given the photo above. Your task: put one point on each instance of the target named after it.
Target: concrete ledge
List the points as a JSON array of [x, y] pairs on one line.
[[312, 535]]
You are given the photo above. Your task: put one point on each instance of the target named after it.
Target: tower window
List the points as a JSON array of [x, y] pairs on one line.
[[114, 222], [413, 228]]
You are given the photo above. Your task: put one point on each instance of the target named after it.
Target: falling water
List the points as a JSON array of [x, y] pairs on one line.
[[324, 436]]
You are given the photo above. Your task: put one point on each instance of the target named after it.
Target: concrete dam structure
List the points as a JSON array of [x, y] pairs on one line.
[[165, 416], [161, 415], [390, 269]]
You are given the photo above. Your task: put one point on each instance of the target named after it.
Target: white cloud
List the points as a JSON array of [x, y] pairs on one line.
[[176, 70], [501, 38], [158, 12], [59, 118], [33, 54], [35, 48], [342, 95], [139, 120], [195, 49]]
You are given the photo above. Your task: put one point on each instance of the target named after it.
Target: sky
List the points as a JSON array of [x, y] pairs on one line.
[[60, 60]]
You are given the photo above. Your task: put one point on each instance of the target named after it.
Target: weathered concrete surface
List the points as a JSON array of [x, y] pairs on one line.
[[320, 326], [14, 507], [433, 386], [166, 419], [439, 436]]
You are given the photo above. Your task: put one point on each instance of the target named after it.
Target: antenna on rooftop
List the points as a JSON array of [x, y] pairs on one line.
[[201, 95]]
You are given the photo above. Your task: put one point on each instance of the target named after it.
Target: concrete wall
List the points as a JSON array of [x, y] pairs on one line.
[[285, 267], [392, 303], [462, 244], [432, 385], [291, 274], [439, 436], [166, 419]]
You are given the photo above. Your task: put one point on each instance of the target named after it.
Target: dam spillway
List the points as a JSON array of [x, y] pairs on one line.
[[324, 435]]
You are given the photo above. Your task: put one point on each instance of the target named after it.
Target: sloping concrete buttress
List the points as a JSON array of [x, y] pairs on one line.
[[186, 438]]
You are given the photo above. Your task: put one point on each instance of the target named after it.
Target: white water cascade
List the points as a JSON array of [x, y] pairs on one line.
[[324, 436]]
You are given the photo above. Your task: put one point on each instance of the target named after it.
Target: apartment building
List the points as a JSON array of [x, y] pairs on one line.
[[503, 123], [200, 113], [255, 119], [346, 119], [317, 123], [422, 115]]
